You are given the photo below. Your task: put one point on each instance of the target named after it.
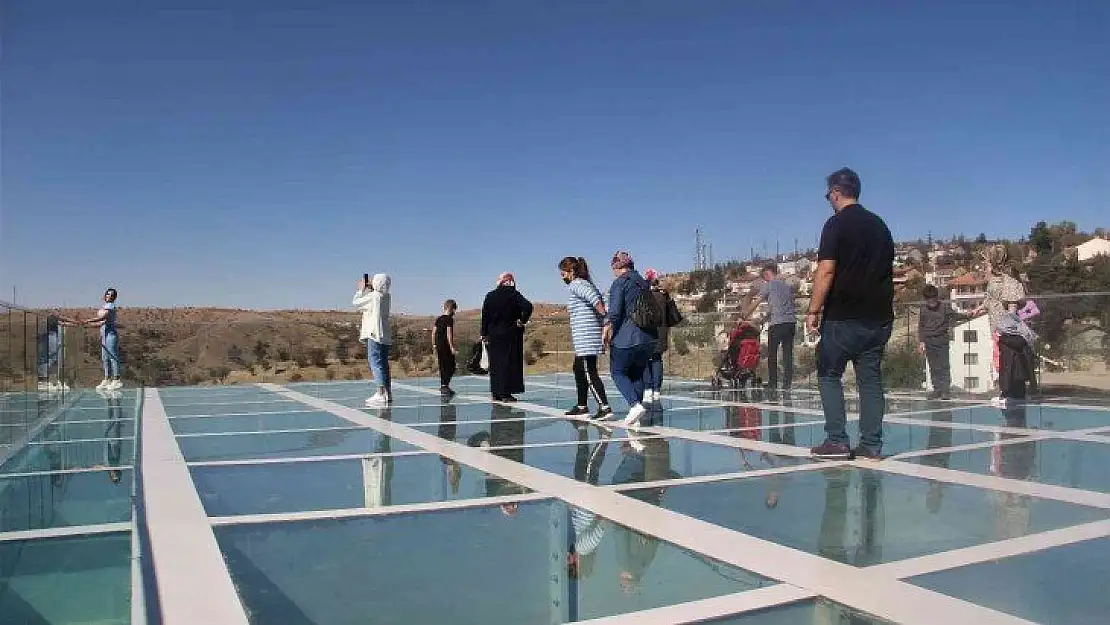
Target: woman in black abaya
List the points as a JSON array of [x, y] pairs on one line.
[[504, 314]]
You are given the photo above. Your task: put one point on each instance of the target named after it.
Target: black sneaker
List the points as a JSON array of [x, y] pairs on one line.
[[946, 396], [446, 391], [866, 453], [604, 413], [932, 395], [829, 450], [509, 399], [577, 411]]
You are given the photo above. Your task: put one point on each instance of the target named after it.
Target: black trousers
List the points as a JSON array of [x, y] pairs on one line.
[[586, 379], [780, 334], [940, 368], [446, 366]]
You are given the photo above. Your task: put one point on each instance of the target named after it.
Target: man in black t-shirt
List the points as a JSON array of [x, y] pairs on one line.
[[853, 308]]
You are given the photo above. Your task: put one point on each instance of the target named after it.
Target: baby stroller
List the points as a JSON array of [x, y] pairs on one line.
[[739, 362]]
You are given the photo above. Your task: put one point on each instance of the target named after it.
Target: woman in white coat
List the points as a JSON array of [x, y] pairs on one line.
[[373, 300]]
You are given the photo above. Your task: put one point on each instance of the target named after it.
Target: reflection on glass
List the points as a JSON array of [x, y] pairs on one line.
[[493, 568], [868, 515], [938, 437], [505, 437], [448, 427], [377, 472], [1015, 461]]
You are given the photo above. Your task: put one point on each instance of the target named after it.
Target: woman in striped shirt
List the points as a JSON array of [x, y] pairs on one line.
[[587, 317]]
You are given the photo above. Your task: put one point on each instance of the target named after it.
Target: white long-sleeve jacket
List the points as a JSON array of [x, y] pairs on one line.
[[374, 304]]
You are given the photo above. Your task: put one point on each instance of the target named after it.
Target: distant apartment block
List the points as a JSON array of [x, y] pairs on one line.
[[967, 291]]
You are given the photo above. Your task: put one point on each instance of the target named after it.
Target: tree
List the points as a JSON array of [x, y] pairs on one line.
[[904, 367], [235, 355], [1041, 239], [319, 357], [261, 349], [707, 303], [537, 346], [219, 374], [283, 354]]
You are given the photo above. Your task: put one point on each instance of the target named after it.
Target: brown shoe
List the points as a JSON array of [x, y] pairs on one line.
[[829, 450]]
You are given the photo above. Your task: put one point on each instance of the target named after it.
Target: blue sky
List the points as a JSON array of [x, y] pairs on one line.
[[266, 153]]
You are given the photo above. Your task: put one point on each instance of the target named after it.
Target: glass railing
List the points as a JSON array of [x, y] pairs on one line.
[[1072, 349]]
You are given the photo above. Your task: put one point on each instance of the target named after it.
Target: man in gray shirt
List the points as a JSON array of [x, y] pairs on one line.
[[782, 317]]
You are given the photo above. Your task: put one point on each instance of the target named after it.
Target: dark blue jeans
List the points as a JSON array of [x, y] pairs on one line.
[[861, 343], [627, 365]]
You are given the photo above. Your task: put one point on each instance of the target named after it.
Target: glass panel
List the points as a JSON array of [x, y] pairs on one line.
[[897, 438], [864, 517], [60, 499], [62, 456], [819, 611], [454, 410], [1037, 417], [368, 482], [733, 417], [1063, 585], [83, 430], [545, 562], [257, 423], [288, 445], [1076, 464], [641, 458], [233, 408], [66, 581], [511, 427]]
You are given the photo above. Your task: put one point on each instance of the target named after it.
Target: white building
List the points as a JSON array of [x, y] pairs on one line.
[[1095, 247], [969, 357], [967, 291]]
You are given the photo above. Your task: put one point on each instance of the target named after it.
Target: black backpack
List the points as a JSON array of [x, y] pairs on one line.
[[648, 312]]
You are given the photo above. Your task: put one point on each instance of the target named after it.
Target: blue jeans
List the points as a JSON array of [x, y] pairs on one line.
[[862, 343], [653, 373], [49, 353], [627, 365], [378, 356], [109, 354]]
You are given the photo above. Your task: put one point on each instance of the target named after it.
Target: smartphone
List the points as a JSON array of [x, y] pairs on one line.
[[366, 279]]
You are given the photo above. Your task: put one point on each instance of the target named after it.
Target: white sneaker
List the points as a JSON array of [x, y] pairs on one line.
[[115, 385], [103, 386], [998, 402], [648, 396], [376, 401], [44, 386], [634, 415], [635, 443]]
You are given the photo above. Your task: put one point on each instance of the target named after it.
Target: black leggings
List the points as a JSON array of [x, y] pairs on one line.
[[587, 366], [446, 367]]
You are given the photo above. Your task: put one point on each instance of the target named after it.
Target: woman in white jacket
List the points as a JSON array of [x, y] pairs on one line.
[[373, 300]]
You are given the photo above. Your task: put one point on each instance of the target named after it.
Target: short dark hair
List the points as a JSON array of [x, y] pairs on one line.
[[930, 292], [846, 181], [772, 267]]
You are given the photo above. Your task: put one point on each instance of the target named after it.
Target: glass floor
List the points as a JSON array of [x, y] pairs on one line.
[[297, 505]]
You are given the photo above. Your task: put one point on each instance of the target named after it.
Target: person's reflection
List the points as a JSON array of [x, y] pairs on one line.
[[939, 437], [1014, 461], [377, 470], [832, 540], [642, 460], [588, 529], [114, 434], [448, 429], [505, 439]]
